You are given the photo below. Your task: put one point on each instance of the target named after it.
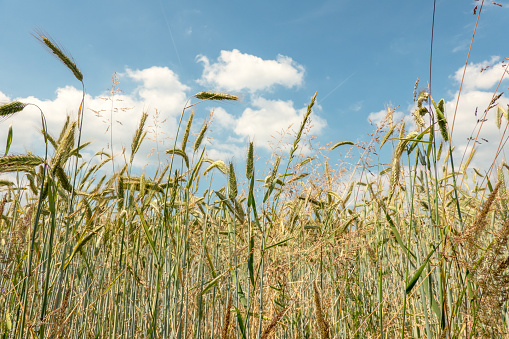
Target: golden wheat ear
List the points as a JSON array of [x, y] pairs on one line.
[[57, 51]]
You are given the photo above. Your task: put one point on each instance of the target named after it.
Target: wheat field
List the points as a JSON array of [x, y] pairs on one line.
[[416, 248]]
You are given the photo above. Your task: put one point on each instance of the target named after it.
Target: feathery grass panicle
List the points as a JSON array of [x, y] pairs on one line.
[[11, 108], [57, 51], [322, 323], [139, 135], [186, 133], [215, 96], [472, 233]]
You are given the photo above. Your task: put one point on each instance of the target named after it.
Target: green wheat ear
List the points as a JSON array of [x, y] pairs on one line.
[[11, 108], [250, 161], [215, 96], [232, 183], [186, 133], [55, 49], [199, 139], [139, 135]]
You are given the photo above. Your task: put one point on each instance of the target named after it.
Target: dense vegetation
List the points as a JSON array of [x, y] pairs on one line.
[[417, 248]]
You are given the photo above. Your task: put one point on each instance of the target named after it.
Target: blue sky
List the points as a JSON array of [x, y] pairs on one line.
[[360, 56]]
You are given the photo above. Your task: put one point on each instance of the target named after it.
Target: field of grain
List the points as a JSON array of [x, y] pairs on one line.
[[205, 249]]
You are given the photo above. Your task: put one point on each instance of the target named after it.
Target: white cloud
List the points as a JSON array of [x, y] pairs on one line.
[[475, 79], [476, 96], [235, 71], [223, 118], [270, 117], [467, 124], [158, 88], [381, 117]]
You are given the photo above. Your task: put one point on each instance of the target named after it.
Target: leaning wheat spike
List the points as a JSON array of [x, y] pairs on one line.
[[272, 326], [470, 157], [65, 146], [62, 178], [341, 143], [199, 139], [250, 161], [439, 152], [215, 96], [120, 193], [226, 319], [395, 166], [53, 47], [11, 108], [31, 183], [138, 136], [322, 323], [232, 183], [13, 163], [186, 133]]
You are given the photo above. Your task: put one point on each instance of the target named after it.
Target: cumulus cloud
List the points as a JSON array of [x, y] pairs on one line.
[[479, 86], [267, 122], [483, 75], [236, 71], [158, 87], [268, 118]]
